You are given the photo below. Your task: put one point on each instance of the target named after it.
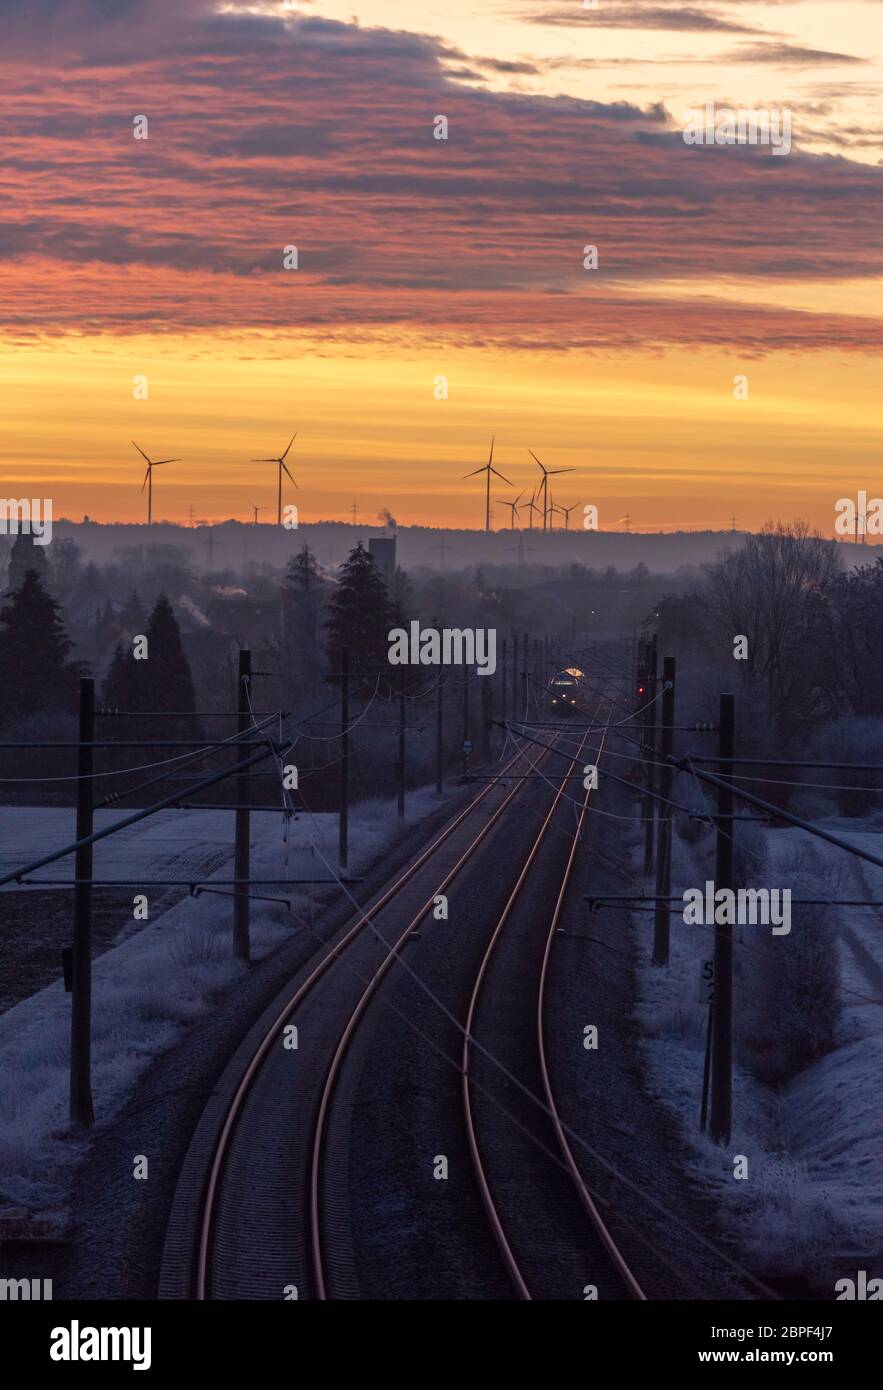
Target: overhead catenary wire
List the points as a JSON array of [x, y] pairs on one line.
[[685, 764], [693, 815], [618, 1173], [537, 1101], [768, 781], [136, 816], [201, 751]]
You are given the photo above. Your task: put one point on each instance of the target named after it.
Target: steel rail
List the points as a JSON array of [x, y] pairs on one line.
[[496, 1222], [219, 1154], [494, 1219], [582, 1190], [333, 1073]]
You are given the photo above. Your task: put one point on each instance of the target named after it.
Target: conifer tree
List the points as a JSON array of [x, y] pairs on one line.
[[120, 688], [360, 615], [34, 647], [301, 604], [167, 681], [133, 617], [162, 680]]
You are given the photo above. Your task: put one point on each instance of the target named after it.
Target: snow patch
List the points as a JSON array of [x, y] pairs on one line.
[[160, 978]]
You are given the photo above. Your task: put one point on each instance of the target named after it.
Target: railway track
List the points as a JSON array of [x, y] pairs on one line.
[[226, 1240], [222, 1240], [524, 1199]]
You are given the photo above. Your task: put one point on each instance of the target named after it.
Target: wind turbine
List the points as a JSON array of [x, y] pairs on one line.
[[148, 478], [531, 508], [256, 510], [566, 511], [283, 467], [487, 468], [547, 474], [513, 507]]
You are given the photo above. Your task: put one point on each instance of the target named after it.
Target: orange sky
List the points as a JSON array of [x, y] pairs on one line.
[[420, 258]]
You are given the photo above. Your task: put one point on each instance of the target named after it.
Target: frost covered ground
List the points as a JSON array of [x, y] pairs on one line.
[[162, 974], [811, 1203]]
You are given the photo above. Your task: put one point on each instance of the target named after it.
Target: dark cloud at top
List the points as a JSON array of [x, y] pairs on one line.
[[266, 133]]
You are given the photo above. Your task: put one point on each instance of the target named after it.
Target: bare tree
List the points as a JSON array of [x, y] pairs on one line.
[[775, 592]]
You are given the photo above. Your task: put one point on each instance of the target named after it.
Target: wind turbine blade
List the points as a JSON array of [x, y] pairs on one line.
[[535, 459], [482, 469], [140, 451], [159, 462], [146, 475], [263, 460], [285, 470], [498, 475], [561, 470], [490, 457], [290, 442]]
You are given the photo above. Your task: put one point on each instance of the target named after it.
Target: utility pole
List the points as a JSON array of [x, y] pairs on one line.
[[343, 826], [514, 676], [467, 742], [649, 740], [400, 769], [242, 838], [503, 670], [663, 833], [439, 734], [81, 1111], [486, 716], [722, 1020]]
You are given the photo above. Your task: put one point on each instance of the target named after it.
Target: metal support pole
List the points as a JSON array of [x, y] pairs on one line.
[[663, 833], [722, 1035], [706, 1067], [650, 755], [343, 826], [439, 735], [400, 770], [514, 676], [81, 1111], [504, 671], [486, 716], [466, 739], [242, 840]]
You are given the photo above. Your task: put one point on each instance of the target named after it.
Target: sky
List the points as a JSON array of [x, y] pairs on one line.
[[722, 360]]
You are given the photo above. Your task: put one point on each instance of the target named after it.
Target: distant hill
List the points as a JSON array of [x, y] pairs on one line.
[[234, 544]]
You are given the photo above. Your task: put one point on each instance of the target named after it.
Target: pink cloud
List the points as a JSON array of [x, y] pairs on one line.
[[264, 134]]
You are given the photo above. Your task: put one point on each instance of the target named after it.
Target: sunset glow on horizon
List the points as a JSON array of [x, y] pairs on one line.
[[160, 261]]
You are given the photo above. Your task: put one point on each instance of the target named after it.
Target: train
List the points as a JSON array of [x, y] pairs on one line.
[[564, 691]]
